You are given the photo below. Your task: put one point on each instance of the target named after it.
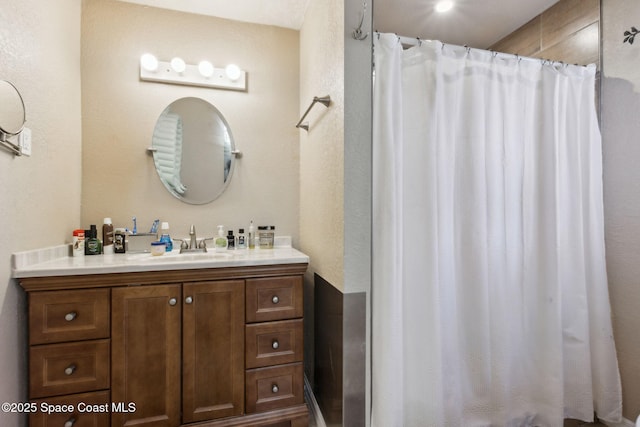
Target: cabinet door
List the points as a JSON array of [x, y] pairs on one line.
[[213, 350], [145, 356]]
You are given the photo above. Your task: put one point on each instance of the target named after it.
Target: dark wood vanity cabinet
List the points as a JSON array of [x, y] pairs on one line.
[[145, 357], [216, 347]]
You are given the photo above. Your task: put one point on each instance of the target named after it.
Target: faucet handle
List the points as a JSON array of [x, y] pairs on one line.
[[203, 244], [183, 244]]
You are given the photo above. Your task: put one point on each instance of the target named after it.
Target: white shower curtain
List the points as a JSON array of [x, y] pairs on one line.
[[489, 299]]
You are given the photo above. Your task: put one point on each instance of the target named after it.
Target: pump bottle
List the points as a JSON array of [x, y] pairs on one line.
[[221, 241]]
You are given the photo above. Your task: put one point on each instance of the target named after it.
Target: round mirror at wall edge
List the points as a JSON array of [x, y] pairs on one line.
[[193, 150], [12, 111]]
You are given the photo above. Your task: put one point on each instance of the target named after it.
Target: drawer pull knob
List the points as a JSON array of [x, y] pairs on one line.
[[70, 370], [275, 344], [173, 301], [275, 388], [188, 300], [275, 299], [70, 316], [70, 422]]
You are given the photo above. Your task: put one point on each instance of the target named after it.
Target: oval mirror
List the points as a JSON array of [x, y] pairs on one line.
[[193, 150], [12, 115]]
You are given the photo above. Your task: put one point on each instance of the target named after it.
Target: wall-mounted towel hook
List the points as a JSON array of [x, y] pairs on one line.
[[358, 34], [324, 100]]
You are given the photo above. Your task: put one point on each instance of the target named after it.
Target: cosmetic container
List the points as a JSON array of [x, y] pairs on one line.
[[266, 236], [158, 248]]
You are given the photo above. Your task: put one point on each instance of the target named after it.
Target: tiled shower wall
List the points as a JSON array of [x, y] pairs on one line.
[[569, 31], [338, 352]]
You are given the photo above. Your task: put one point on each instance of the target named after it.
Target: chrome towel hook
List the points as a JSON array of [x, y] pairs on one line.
[[357, 33]]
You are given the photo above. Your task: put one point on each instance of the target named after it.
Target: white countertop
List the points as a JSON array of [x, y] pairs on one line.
[[49, 262]]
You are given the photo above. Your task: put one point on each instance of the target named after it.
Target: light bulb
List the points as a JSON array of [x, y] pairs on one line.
[[444, 6], [205, 68], [178, 65], [149, 62], [233, 72]]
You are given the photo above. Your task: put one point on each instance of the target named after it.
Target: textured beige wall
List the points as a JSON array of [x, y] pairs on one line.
[[40, 51], [322, 148], [120, 111], [621, 147]]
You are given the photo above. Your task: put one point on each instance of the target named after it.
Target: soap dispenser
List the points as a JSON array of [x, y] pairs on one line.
[[165, 238], [221, 241]]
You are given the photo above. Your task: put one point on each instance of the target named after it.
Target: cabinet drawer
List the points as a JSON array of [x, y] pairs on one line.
[[59, 316], [274, 387], [273, 343], [274, 298], [85, 410], [57, 369]]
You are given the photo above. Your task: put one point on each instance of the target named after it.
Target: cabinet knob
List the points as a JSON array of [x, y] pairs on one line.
[[70, 422], [188, 300], [173, 301], [275, 344], [275, 299], [70, 316], [69, 370], [275, 388]]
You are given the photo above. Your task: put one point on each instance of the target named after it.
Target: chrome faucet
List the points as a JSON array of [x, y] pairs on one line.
[[193, 245], [193, 242]]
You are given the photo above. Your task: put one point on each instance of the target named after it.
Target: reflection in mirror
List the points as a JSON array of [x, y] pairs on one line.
[[193, 150], [12, 114]]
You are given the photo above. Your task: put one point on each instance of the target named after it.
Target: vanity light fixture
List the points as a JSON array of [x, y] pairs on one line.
[[177, 71], [178, 65], [233, 72], [205, 68], [149, 62]]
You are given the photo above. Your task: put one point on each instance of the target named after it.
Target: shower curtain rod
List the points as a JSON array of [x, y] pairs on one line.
[[414, 41]]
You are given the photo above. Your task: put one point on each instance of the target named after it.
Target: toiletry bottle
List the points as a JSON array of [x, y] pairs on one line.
[[165, 238], [92, 244], [231, 240], [252, 235], [78, 242], [119, 239], [107, 236], [242, 242], [221, 241]]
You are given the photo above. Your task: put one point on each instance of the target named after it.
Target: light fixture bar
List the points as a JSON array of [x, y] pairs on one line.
[[191, 76]]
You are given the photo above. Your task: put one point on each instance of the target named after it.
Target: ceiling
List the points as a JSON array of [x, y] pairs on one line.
[[476, 23]]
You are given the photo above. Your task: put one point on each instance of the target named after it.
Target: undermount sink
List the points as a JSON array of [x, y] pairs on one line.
[[175, 255]]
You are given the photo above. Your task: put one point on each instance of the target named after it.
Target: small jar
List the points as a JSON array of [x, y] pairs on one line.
[[266, 236], [158, 248]]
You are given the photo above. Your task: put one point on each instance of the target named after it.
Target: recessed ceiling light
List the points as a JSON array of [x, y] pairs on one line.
[[444, 6]]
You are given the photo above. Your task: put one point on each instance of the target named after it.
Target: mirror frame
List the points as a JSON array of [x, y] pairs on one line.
[[12, 100], [232, 153]]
